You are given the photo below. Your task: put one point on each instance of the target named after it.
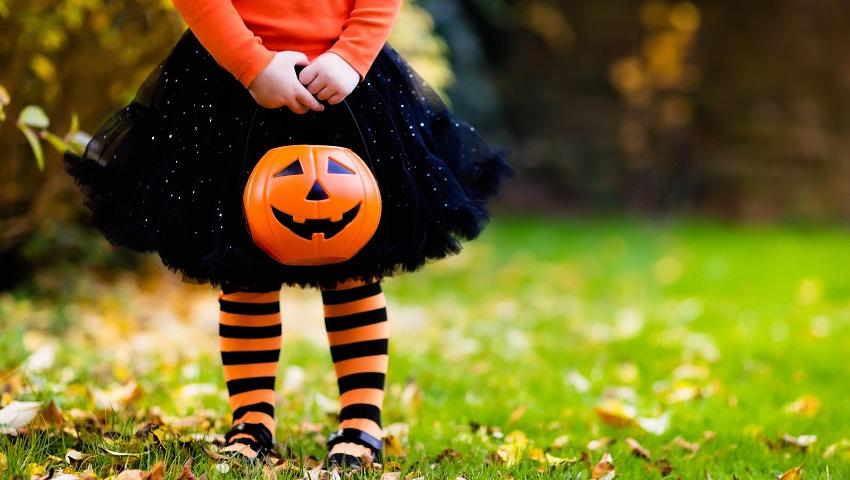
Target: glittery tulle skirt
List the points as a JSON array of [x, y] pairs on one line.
[[167, 172]]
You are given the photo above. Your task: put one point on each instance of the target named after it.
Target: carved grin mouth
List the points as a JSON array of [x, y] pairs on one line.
[[312, 226]]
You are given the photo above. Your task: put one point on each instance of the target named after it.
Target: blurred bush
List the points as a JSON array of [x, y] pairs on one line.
[[65, 63]]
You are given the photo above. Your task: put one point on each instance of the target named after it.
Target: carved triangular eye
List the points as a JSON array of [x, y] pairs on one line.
[[293, 168], [338, 168]]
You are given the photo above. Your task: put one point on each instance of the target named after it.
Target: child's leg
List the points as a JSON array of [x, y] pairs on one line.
[[356, 322], [249, 334]]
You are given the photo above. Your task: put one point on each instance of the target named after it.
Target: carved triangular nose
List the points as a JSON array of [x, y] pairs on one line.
[[317, 192]]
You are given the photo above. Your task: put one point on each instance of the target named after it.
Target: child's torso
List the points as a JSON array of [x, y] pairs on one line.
[[309, 26]]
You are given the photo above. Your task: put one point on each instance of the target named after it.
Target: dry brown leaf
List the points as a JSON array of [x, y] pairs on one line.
[[157, 472], [795, 473], [49, 416], [664, 466], [802, 441], [637, 449], [449, 453], [186, 473], [686, 445], [604, 470]]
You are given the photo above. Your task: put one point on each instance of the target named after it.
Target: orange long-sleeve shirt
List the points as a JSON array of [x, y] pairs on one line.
[[242, 35]]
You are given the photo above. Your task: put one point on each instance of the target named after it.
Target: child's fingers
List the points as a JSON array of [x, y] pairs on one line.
[[297, 107], [305, 98], [325, 93], [316, 86], [336, 98], [307, 75]]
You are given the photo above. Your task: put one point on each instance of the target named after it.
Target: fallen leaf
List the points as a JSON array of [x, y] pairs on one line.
[[411, 396], [795, 473], [599, 443], [554, 461], [615, 412], [157, 472], [802, 441], [637, 449], [393, 446], [807, 406], [517, 414], [17, 415], [449, 453], [118, 397], [664, 466], [686, 445], [561, 441], [186, 473], [604, 470], [75, 456], [578, 381], [655, 426], [843, 444]]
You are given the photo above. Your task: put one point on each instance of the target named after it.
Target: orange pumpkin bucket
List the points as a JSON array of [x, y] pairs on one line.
[[311, 204]]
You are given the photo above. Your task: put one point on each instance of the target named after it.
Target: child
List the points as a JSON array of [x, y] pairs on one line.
[[166, 174]]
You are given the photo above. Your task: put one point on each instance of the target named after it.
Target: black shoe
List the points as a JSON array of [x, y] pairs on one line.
[[260, 447], [352, 435]]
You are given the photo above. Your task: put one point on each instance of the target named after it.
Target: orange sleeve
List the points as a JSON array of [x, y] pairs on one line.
[[365, 32], [220, 29]]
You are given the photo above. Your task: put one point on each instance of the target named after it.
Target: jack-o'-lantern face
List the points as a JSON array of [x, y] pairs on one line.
[[311, 204]]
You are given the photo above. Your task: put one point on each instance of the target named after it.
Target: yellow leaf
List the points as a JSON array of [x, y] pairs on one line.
[[795, 473], [807, 406], [615, 412], [517, 414], [393, 446], [43, 68]]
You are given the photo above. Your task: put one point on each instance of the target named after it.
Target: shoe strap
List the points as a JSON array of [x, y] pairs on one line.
[[353, 435], [259, 431]]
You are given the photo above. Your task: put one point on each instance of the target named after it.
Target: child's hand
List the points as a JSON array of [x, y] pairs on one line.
[[329, 77], [278, 86]]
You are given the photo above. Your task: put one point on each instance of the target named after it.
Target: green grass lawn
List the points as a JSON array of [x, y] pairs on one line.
[[544, 336]]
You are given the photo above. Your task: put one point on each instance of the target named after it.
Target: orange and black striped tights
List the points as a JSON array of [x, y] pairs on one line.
[[250, 337]]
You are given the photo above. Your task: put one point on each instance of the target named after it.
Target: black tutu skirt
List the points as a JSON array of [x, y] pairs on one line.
[[167, 172]]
